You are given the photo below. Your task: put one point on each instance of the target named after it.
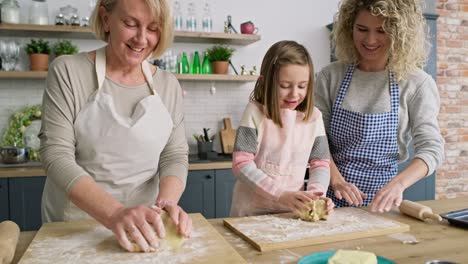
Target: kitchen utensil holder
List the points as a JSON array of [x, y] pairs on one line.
[[205, 150]]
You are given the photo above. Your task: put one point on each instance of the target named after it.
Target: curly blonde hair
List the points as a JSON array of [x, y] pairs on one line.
[[403, 22], [281, 54], [161, 11]]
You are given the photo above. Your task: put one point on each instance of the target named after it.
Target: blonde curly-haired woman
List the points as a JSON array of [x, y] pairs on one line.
[[375, 100]]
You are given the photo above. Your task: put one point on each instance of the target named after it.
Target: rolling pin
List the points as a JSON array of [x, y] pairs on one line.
[[418, 211], [9, 234]]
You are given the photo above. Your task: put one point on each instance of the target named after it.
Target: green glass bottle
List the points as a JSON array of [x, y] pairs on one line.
[[185, 64], [196, 63], [206, 65]]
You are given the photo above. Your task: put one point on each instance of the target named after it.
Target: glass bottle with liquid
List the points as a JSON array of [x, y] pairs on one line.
[[178, 20], [191, 21], [206, 65], [196, 63], [207, 21], [185, 67]]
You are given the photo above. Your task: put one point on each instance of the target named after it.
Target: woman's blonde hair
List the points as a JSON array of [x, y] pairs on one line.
[[403, 22], [161, 13], [281, 54]]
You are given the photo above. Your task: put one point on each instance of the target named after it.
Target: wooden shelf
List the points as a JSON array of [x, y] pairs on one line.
[[50, 31], [215, 37], [23, 74], [181, 77], [45, 31], [217, 77]]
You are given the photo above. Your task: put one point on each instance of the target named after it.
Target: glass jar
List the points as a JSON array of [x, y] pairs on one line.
[[10, 12], [39, 12], [68, 12]]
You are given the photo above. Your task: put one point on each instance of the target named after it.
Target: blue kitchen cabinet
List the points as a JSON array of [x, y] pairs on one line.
[[4, 206], [199, 193], [208, 192], [24, 198], [223, 197]]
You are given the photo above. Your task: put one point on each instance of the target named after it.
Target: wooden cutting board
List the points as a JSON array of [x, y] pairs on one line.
[[227, 136], [271, 232], [87, 241]]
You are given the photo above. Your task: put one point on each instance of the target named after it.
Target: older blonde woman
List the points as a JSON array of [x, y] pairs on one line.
[[112, 138], [375, 100]]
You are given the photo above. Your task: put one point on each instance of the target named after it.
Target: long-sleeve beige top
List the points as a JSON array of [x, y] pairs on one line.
[[70, 82]]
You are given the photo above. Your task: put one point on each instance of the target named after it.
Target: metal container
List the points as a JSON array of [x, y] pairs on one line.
[[13, 155], [439, 262]]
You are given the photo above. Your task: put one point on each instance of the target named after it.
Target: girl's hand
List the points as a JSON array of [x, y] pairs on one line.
[[180, 218], [330, 204], [137, 224], [295, 201], [391, 194], [349, 192]]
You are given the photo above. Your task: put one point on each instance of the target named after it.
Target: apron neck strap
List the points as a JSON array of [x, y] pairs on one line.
[[101, 69]]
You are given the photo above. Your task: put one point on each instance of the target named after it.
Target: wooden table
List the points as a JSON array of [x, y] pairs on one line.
[[436, 241]]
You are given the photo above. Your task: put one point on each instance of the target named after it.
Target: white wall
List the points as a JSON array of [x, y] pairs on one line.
[[300, 20]]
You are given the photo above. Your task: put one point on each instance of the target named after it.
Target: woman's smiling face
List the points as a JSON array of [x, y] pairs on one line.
[[371, 41], [133, 33]]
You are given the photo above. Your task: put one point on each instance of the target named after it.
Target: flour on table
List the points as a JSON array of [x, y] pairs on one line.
[[98, 245], [273, 228]]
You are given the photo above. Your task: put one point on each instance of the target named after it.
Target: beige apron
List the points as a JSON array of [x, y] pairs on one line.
[[120, 153]]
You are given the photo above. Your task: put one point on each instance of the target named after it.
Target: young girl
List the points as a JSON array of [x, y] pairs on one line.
[[279, 134]]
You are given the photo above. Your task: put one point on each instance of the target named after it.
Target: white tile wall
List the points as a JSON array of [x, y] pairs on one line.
[[306, 23], [16, 94], [202, 109]]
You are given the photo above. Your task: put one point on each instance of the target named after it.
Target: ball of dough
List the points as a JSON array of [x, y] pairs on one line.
[[173, 240], [318, 211]]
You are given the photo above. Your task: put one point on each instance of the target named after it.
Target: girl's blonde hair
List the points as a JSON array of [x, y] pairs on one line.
[[161, 13], [403, 22], [266, 88]]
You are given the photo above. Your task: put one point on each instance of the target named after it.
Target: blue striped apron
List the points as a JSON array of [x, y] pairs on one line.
[[364, 146]]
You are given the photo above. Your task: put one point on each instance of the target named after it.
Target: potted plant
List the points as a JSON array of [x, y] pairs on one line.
[[219, 56], [64, 47], [38, 51], [14, 140]]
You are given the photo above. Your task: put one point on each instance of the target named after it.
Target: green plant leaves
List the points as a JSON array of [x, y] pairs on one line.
[[63, 47], [14, 133], [39, 46], [220, 53]]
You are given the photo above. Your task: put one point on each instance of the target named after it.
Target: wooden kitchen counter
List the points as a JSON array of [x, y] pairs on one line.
[[32, 171], [436, 241]]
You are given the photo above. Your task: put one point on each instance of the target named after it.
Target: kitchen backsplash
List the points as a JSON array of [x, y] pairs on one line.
[[202, 109]]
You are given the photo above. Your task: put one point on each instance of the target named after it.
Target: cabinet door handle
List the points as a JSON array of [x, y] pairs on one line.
[[208, 176]]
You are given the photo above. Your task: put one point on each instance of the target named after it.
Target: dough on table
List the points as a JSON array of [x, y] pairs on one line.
[[172, 240], [318, 211], [342, 256], [9, 234]]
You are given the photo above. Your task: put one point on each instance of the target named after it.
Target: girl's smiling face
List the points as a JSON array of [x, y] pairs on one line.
[[293, 81], [371, 41]]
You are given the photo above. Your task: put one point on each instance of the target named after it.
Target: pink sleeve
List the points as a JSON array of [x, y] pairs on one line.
[[245, 169]]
